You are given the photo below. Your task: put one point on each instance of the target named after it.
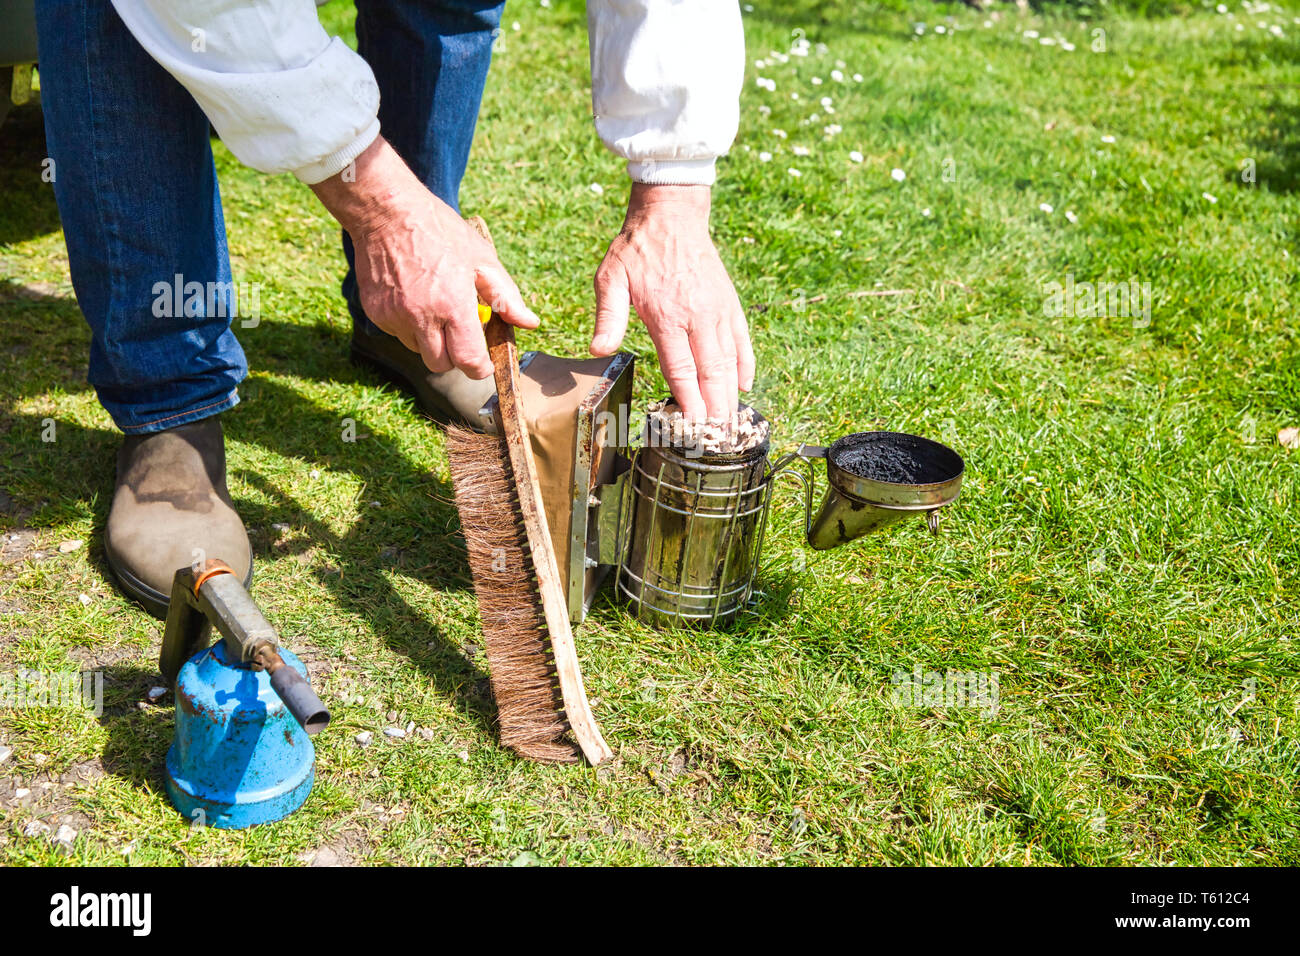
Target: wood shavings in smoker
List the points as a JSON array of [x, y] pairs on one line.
[[745, 432]]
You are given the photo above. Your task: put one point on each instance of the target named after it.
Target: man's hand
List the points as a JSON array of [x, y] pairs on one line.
[[421, 268], [664, 263]]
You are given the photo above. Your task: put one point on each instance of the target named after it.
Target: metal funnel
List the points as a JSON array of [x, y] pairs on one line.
[[876, 479]]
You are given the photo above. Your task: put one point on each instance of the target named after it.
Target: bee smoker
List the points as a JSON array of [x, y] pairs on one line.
[[680, 531], [691, 538]]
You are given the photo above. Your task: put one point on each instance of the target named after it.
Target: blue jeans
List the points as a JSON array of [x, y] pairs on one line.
[[138, 195]]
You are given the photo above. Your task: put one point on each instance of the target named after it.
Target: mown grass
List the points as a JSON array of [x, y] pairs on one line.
[[1124, 555]]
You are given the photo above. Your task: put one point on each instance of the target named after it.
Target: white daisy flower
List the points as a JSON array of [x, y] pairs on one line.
[[779, 133], [1031, 34], [816, 81], [1208, 198], [763, 83], [764, 109], [837, 233], [837, 76], [926, 212], [940, 29], [1069, 214], [1108, 138], [857, 77], [832, 129], [764, 157], [597, 188], [794, 172], [856, 156], [897, 175], [826, 101], [1045, 207], [802, 151]]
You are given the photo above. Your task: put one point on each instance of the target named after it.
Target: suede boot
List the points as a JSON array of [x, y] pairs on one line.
[[171, 509]]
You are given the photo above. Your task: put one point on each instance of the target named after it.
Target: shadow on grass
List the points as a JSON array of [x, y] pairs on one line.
[[45, 337], [359, 577], [138, 739], [1274, 146], [27, 206], [1273, 160], [1276, 150]]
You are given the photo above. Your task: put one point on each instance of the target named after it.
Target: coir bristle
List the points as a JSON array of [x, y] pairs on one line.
[[530, 710]]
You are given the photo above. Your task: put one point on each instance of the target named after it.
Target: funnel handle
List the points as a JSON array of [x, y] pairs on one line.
[[808, 453], [803, 451], [809, 481]]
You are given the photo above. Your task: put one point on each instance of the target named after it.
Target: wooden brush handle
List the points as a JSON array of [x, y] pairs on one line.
[[555, 609]]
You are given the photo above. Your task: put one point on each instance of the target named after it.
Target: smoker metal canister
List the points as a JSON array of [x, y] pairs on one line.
[[695, 531]]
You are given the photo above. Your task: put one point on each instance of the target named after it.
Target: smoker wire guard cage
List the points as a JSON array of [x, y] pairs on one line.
[[690, 532]]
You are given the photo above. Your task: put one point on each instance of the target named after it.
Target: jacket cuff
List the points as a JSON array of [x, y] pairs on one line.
[[673, 172], [336, 162]]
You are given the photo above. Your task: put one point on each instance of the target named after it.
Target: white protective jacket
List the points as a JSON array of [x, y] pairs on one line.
[[286, 97]]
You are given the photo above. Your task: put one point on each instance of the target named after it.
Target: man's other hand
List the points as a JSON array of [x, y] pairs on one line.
[[420, 268], [664, 263]]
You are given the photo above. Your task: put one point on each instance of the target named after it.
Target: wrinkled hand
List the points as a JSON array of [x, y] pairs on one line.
[[421, 268], [664, 263]]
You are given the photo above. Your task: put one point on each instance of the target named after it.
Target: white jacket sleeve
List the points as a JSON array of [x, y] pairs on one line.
[[665, 84], [284, 96]]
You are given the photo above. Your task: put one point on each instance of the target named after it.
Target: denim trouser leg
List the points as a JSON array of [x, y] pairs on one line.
[[430, 58], [137, 193]]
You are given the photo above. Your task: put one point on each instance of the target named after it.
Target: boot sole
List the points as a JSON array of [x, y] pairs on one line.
[[144, 595]]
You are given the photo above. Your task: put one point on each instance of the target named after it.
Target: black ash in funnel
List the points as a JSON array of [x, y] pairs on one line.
[[895, 458]]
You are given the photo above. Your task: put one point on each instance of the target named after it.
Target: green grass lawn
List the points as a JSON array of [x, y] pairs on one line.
[[1124, 556]]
